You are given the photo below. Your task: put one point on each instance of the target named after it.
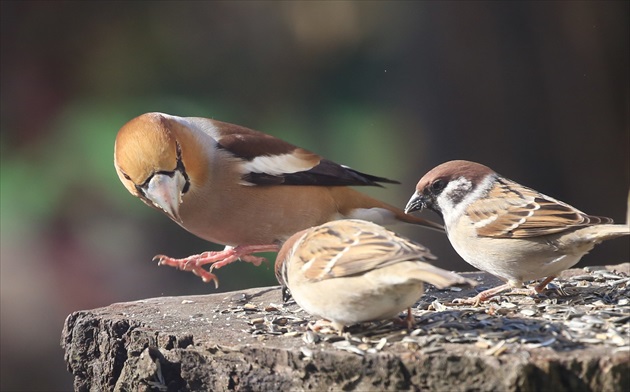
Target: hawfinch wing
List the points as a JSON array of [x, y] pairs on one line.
[[266, 160]]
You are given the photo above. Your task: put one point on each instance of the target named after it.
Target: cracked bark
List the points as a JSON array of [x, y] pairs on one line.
[[191, 344]]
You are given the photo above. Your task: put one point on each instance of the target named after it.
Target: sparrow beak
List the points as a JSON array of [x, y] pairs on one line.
[[417, 202], [286, 294], [165, 192]]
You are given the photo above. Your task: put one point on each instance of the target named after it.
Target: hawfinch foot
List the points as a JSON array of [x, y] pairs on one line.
[[218, 259]]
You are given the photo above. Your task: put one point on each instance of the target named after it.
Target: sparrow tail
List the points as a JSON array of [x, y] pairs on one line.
[[438, 277]]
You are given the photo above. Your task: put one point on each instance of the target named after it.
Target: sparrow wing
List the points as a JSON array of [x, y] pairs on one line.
[[353, 248], [511, 210], [266, 160]]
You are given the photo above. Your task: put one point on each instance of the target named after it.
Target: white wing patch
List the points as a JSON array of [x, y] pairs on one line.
[[377, 215], [276, 164]]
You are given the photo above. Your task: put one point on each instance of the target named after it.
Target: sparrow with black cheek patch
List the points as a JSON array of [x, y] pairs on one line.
[[507, 229], [351, 271], [238, 187]]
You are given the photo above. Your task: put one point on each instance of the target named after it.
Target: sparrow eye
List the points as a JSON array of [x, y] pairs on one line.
[[438, 185]]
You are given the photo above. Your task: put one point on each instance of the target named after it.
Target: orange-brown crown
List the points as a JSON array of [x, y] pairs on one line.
[[149, 144]]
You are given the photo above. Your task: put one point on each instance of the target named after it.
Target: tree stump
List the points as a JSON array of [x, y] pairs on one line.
[[575, 337]]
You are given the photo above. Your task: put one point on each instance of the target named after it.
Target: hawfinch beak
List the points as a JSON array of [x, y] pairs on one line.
[[165, 192], [416, 203]]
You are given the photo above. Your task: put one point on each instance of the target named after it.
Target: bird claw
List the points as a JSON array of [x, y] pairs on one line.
[[474, 301], [409, 321], [217, 259], [483, 296], [490, 293], [540, 287], [188, 264], [326, 326], [206, 276], [255, 260]]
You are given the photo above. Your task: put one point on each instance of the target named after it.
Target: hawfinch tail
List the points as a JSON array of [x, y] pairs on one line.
[[238, 187], [507, 229], [351, 271]]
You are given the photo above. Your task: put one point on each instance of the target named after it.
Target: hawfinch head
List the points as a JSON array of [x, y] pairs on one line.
[[151, 163]]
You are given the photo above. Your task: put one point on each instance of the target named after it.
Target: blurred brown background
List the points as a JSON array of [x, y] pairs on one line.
[[539, 91]]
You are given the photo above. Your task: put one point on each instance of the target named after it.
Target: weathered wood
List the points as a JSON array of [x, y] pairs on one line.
[[248, 341]]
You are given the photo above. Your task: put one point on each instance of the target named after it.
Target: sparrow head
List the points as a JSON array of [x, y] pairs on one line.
[[447, 185], [282, 263], [153, 155]]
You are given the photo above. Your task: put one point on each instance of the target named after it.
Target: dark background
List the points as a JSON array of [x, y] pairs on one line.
[[537, 90]]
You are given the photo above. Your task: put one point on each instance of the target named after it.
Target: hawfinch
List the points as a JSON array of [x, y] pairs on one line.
[[507, 229], [351, 271], [238, 187]]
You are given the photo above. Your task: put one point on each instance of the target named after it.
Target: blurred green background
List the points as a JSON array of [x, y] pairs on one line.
[[537, 90]]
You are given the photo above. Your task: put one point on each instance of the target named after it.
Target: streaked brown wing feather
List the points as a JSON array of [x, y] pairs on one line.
[[521, 212], [353, 250]]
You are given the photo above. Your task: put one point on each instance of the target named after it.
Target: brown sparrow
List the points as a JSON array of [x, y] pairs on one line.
[[351, 271], [238, 187], [507, 229]]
